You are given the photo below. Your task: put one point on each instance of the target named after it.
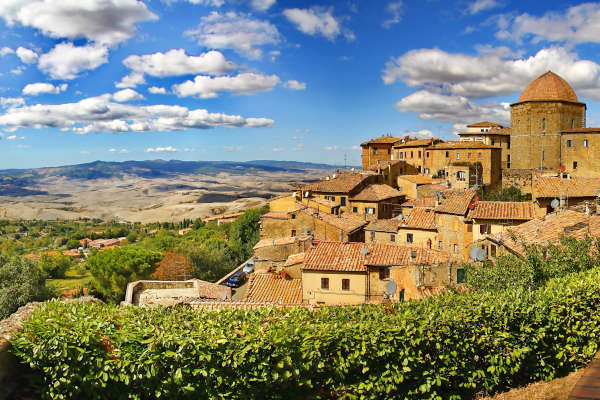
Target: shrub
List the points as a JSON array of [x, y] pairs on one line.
[[21, 281], [113, 269], [55, 265], [447, 347]]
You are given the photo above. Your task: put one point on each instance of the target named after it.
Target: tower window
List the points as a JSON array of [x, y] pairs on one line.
[[569, 143], [508, 161], [543, 155], [574, 164], [543, 124], [586, 143], [572, 123], [457, 155], [447, 154]]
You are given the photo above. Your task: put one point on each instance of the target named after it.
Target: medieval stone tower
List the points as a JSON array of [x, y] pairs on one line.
[[547, 106]]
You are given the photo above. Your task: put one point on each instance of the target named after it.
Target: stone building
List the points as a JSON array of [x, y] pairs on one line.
[[568, 190], [580, 151], [492, 134], [496, 217], [547, 107], [455, 230], [379, 149], [412, 152], [377, 201]]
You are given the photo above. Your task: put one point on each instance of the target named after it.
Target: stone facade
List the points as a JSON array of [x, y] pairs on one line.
[[454, 235], [580, 151], [519, 178], [447, 154]]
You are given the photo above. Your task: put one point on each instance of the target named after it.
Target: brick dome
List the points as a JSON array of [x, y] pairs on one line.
[[549, 86]]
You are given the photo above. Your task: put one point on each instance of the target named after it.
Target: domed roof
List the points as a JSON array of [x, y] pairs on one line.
[[549, 86]]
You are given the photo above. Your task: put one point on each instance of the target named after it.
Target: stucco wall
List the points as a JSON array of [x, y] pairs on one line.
[[313, 294]]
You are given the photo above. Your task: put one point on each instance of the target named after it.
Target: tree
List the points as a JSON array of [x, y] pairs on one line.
[[21, 281], [113, 269], [506, 194], [73, 243], [244, 233], [55, 265]]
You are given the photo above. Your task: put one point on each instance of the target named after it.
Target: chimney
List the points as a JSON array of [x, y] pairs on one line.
[[413, 256]]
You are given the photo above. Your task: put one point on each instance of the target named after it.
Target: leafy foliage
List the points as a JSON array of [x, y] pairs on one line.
[[113, 269], [21, 281], [447, 347], [506, 194], [55, 265]]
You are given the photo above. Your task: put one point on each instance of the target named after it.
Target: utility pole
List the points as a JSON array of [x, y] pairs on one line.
[[345, 160]]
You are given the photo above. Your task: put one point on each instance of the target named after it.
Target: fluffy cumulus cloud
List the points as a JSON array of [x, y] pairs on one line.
[[100, 114], [294, 85], [131, 80], [34, 89], [209, 87], [262, 5], [478, 6], [234, 31], [126, 95], [5, 51], [317, 21], [10, 102], [67, 61], [420, 134], [579, 24], [455, 109], [157, 90], [106, 22], [176, 62], [490, 74], [169, 149], [26, 55], [394, 11]]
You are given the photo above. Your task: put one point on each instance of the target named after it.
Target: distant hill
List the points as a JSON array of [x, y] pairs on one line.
[[13, 180]]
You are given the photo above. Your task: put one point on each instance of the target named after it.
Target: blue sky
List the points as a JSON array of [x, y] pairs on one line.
[[84, 80]]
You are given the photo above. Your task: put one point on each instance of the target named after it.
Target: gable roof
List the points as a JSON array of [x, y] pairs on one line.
[[503, 210], [343, 183], [383, 225], [423, 201], [419, 179], [346, 223], [484, 124], [420, 218], [416, 143], [382, 140], [456, 202], [551, 186], [270, 288], [352, 257], [376, 192], [462, 145]]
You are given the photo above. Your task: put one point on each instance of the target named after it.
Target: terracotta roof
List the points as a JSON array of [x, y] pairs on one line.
[[420, 218], [346, 223], [382, 164], [514, 210], [548, 86], [551, 228], [484, 124], [280, 241], [581, 130], [321, 201], [223, 216], [270, 288], [275, 215], [424, 201], [382, 140], [351, 257], [419, 179], [462, 145], [295, 259], [343, 183], [456, 202], [212, 305], [549, 186], [494, 131], [383, 225], [376, 192], [416, 143]]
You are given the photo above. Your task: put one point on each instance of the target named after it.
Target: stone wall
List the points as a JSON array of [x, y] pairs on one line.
[[519, 178], [586, 157]]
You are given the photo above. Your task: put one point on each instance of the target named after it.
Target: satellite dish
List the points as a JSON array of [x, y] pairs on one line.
[[390, 288], [555, 203], [478, 254]]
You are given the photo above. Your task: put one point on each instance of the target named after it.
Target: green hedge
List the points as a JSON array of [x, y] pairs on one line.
[[453, 346]]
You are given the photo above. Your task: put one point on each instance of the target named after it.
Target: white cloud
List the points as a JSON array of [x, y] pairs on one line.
[[262, 5], [294, 85], [331, 148], [237, 32], [15, 137], [18, 70], [26, 55], [157, 90], [100, 114], [208, 87], [107, 22], [494, 73], [233, 148], [482, 5], [175, 62], [131, 80], [277, 149], [126, 95], [420, 134], [394, 9], [455, 109], [112, 150], [317, 21], [303, 130], [66, 61], [124, 151], [578, 24], [6, 50], [34, 89], [189, 150], [9, 102]]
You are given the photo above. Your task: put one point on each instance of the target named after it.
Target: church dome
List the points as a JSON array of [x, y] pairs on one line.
[[548, 86]]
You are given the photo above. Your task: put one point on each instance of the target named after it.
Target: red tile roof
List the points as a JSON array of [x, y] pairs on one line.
[[503, 210], [223, 216], [275, 215], [416, 143], [548, 86], [383, 225], [462, 145], [346, 223], [376, 192], [424, 201], [484, 124], [355, 257], [343, 183], [546, 187], [295, 259], [271, 288], [382, 140], [420, 218], [456, 202], [420, 179]]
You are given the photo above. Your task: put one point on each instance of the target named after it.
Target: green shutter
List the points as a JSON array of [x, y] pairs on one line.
[[461, 275]]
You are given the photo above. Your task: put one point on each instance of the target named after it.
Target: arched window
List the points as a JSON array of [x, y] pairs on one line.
[[429, 243], [543, 124], [572, 123]]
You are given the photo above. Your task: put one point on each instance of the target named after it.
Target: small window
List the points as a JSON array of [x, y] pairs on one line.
[[370, 210], [355, 209], [469, 156], [460, 275], [461, 176], [392, 238], [543, 124], [325, 283], [411, 154], [401, 296], [574, 164], [447, 154], [508, 161], [429, 243], [485, 229], [389, 151], [293, 216], [384, 273], [508, 144], [440, 245], [586, 143], [569, 143], [457, 155], [409, 238], [343, 201], [372, 236], [493, 142], [469, 228], [419, 168], [427, 154], [293, 232], [455, 249], [419, 154], [345, 284], [493, 250], [479, 155], [572, 123]]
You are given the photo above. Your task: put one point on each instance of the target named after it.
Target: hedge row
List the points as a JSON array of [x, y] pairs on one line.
[[453, 346]]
